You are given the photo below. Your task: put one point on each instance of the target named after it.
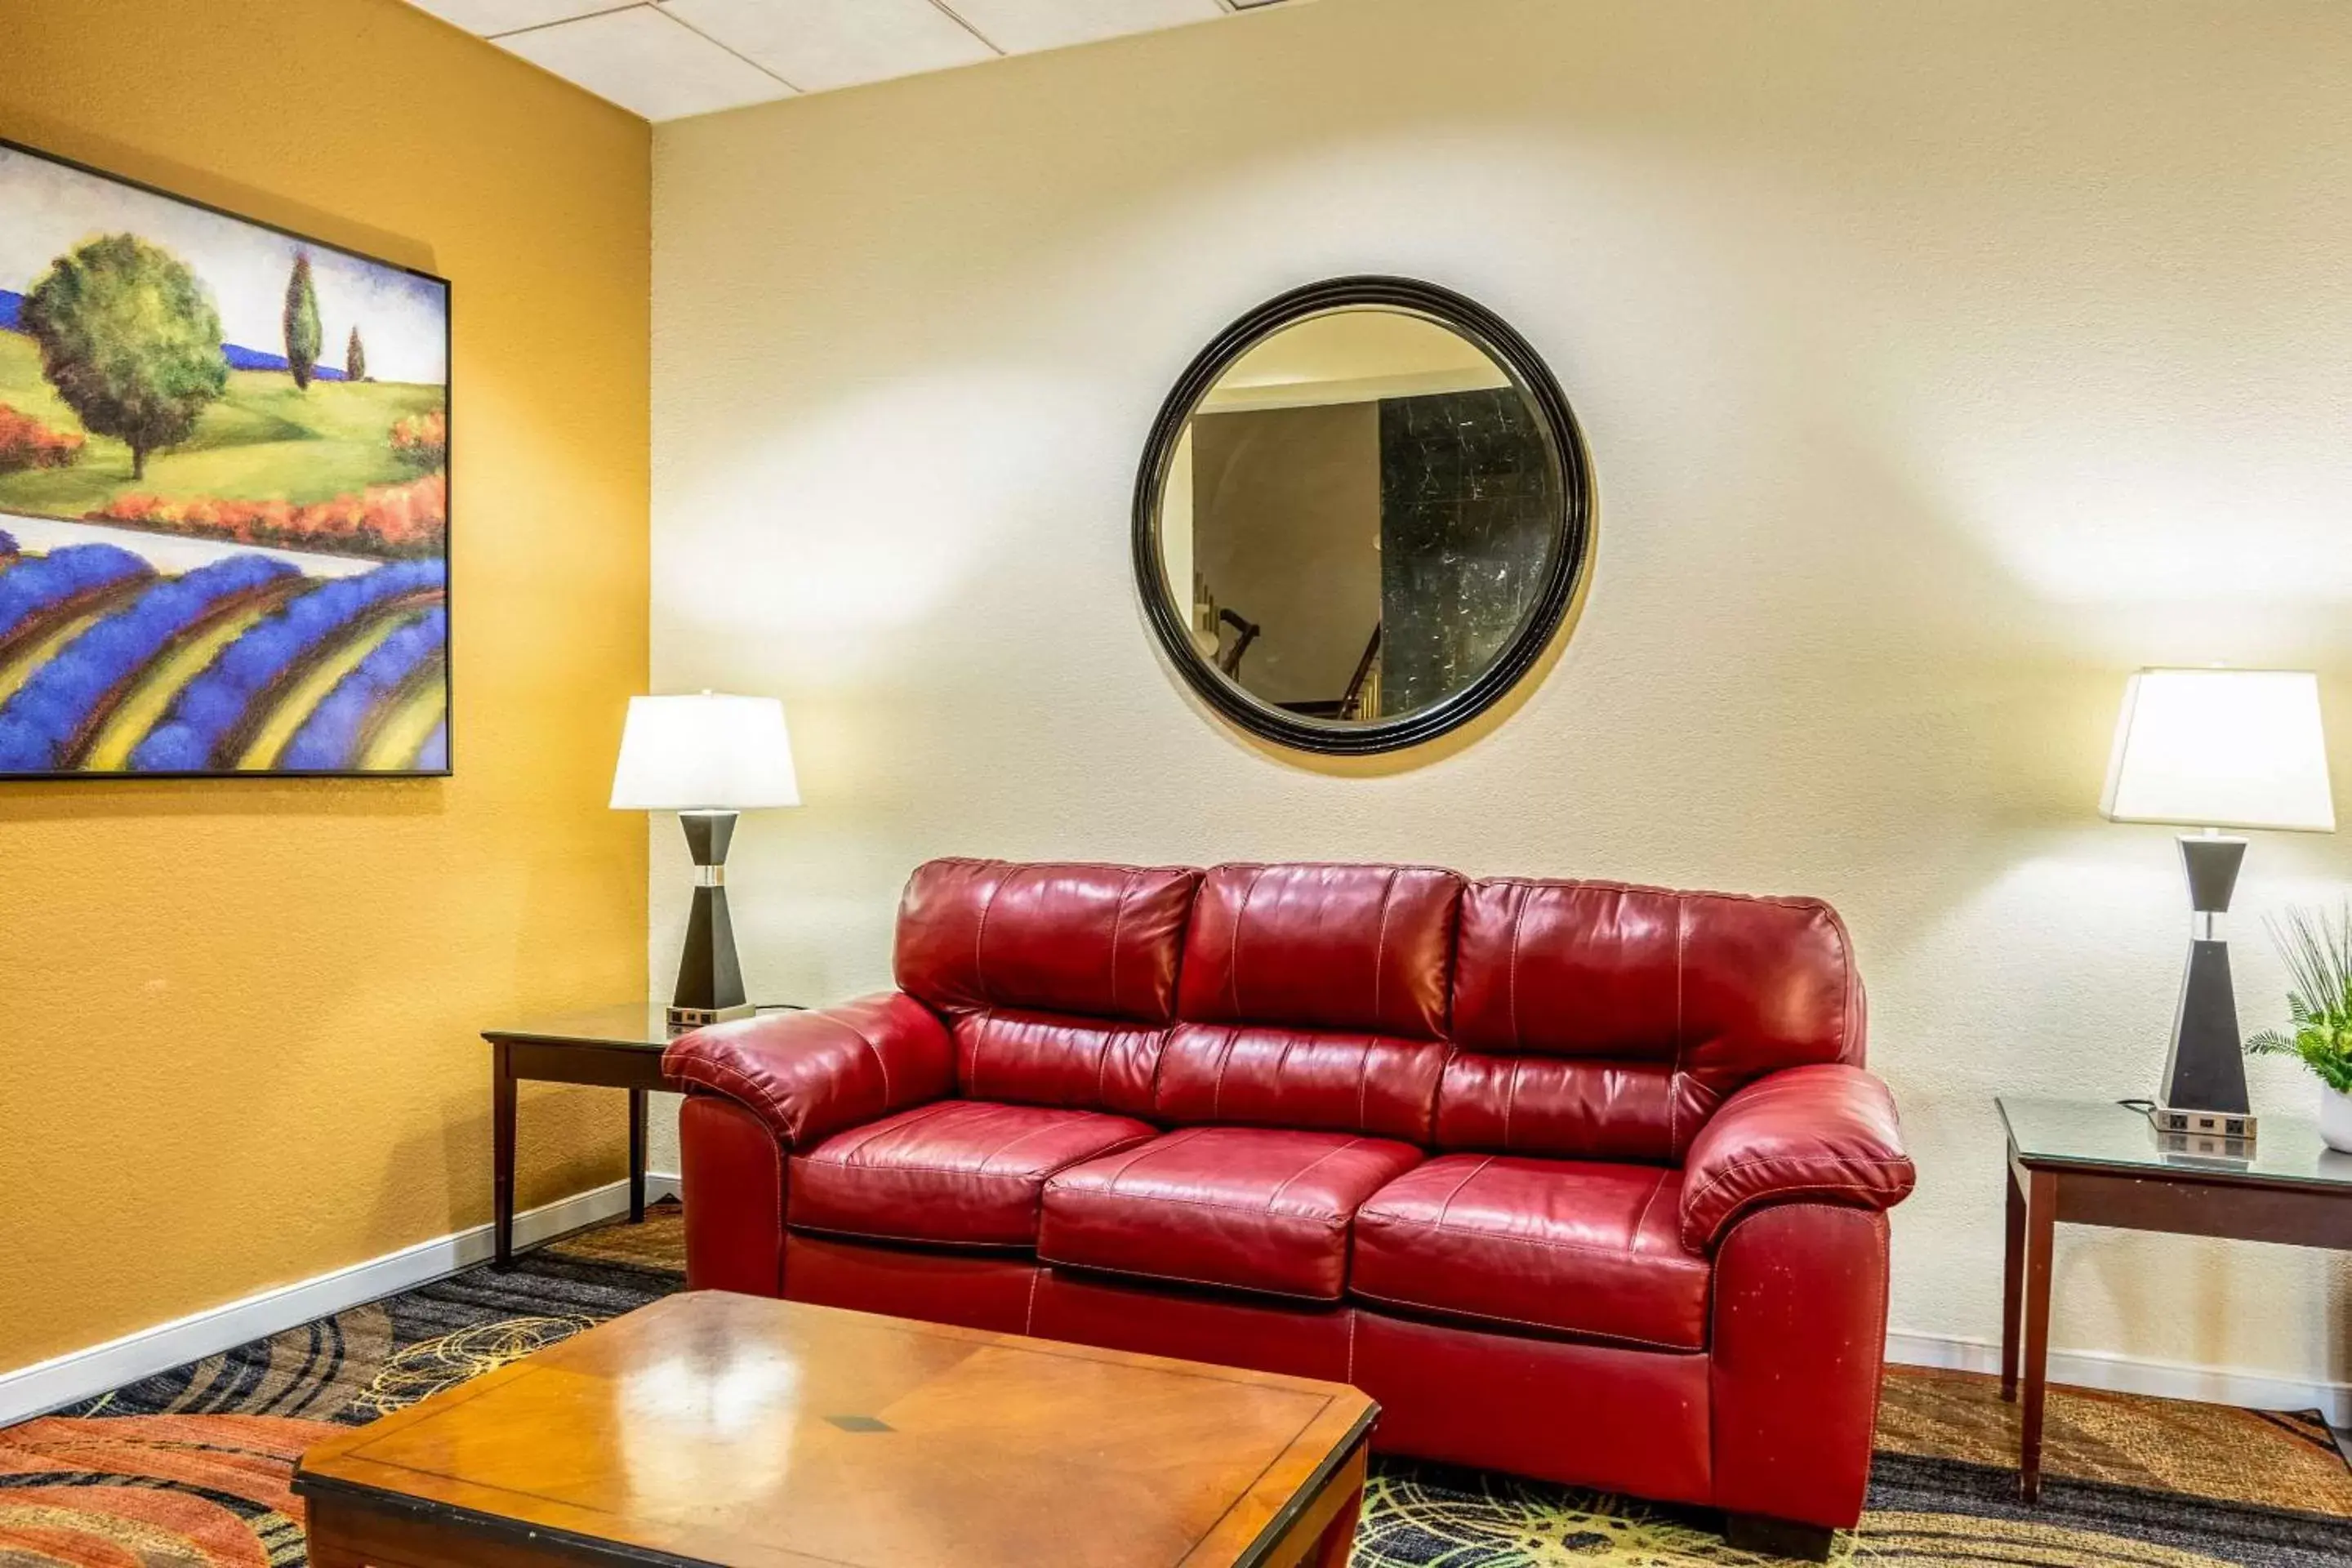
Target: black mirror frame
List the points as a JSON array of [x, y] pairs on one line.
[[1553, 598]]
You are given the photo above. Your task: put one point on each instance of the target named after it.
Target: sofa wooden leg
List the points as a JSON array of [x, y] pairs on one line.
[[1778, 1537]]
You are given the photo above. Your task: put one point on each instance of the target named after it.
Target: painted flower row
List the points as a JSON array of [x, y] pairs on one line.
[[215, 703], [26, 443], [404, 520], [41, 722]]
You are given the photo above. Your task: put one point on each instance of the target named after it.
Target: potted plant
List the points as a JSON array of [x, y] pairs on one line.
[[2318, 954]]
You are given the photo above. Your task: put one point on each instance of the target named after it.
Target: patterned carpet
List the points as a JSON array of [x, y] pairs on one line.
[[189, 1469]]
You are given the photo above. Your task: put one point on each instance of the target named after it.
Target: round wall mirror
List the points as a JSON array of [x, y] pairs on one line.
[[1362, 513]]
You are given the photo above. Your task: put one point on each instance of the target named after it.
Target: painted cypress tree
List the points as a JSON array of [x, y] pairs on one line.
[[355, 358], [302, 323], [131, 340]]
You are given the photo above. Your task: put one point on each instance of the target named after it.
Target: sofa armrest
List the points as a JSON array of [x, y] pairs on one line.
[[1827, 1132], [807, 1075]]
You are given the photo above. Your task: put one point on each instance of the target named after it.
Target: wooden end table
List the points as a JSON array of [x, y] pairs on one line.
[[718, 1429], [619, 1046], [2097, 1163]]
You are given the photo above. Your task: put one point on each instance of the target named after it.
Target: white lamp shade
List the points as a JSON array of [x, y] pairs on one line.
[[707, 752], [2221, 748]]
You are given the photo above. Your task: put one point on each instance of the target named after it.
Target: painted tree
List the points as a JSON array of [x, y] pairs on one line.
[[131, 340], [355, 358], [302, 323]]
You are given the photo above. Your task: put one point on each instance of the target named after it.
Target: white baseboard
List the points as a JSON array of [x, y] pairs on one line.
[[2133, 1374], [83, 1374]]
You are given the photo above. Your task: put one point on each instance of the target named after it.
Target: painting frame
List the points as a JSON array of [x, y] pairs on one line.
[[447, 554]]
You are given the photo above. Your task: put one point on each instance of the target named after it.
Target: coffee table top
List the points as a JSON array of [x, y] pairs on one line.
[[710, 1427]]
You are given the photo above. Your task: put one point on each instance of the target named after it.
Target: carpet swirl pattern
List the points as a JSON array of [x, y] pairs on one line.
[[191, 1469]]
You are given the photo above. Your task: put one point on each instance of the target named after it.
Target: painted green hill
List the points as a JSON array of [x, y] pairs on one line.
[[263, 441]]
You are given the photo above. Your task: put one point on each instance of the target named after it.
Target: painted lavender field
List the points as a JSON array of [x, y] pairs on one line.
[[224, 492]]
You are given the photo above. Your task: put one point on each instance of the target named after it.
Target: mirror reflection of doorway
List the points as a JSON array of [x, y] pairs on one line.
[[1367, 502], [1363, 511]]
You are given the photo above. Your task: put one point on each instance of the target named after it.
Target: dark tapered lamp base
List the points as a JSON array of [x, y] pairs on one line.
[[2205, 1073], [710, 980]]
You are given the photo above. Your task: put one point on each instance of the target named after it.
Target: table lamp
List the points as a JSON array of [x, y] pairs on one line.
[[2214, 749], [705, 757]]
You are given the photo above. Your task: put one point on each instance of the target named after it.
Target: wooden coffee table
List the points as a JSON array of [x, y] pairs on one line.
[[715, 1428]]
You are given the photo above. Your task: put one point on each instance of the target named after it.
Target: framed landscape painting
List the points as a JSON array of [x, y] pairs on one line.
[[224, 492]]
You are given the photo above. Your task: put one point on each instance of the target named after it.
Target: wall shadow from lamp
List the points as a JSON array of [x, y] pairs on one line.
[[708, 757]]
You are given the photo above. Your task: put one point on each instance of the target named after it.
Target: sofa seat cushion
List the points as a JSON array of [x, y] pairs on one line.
[[962, 1173], [1248, 1209], [1569, 1246]]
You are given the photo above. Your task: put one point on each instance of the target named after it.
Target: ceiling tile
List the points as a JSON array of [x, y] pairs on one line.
[[820, 44], [642, 60], [1018, 26], [492, 16]]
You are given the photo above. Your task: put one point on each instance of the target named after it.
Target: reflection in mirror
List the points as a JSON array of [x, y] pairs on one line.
[[1358, 516]]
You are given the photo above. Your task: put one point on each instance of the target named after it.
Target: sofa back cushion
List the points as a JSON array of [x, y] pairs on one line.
[[1597, 1021], [1057, 980], [1363, 948], [1314, 997], [1312, 1079]]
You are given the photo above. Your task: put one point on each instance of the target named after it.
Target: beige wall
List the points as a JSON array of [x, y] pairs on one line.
[[1939, 365], [239, 1016]]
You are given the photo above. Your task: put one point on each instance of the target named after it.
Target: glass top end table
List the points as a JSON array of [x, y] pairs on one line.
[[2100, 1163], [618, 1046], [2104, 1135]]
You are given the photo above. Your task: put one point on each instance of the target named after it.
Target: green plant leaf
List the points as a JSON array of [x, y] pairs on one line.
[[2319, 955]]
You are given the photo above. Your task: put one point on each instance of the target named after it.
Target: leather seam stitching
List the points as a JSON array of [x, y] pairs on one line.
[[1633, 1238], [1118, 918], [887, 1125], [1192, 1279], [979, 1036], [1224, 1059], [749, 1090], [1674, 1079], [1013, 1142], [1326, 1222], [1518, 1041], [1377, 1220], [1511, 1099], [881, 1063], [1281, 1066], [1035, 1178], [1309, 1168], [1380, 944], [980, 938], [1233, 961], [1354, 1289], [803, 1227], [1691, 1199], [1467, 1177], [1189, 1135]]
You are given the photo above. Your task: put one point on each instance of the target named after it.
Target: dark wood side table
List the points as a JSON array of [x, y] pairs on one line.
[[618, 1046], [2097, 1163]]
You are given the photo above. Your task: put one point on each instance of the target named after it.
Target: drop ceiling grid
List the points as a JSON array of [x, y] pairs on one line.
[[669, 59]]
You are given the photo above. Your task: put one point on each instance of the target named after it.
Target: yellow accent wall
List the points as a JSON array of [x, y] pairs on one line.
[[239, 1019]]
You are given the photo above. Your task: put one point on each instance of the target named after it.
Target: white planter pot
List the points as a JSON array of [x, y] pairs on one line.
[[2336, 1119]]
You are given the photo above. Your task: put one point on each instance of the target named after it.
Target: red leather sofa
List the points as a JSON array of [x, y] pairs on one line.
[[1581, 1181]]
